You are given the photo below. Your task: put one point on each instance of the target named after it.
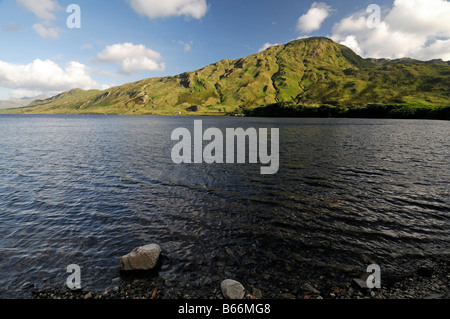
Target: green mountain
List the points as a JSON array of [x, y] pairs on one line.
[[313, 76]]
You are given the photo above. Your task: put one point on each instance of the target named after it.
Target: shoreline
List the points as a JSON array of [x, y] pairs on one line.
[[431, 281], [399, 111], [232, 116]]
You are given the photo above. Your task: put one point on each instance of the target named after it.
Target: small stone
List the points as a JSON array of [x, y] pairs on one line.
[[106, 293], [309, 289], [257, 293], [362, 284], [232, 289], [88, 295], [288, 295]]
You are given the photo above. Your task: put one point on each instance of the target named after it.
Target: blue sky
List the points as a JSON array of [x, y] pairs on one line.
[[122, 41]]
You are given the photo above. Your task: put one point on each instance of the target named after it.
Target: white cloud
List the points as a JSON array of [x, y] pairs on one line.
[[46, 33], [187, 46], [313, 19], [46, 76], [302, 37], [440, 49], [43, 9], [166, 8], [351, 42], [266, 46], [420, 17], [411, 28], [132, 58]]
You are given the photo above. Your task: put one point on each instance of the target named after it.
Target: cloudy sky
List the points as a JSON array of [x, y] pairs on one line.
[[120, 41]]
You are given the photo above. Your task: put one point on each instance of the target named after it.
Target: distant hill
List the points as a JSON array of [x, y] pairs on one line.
[[383, 62], [16, 103], [310, 74]]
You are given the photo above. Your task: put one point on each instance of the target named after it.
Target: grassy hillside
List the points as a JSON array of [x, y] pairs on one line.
[[303, 74]]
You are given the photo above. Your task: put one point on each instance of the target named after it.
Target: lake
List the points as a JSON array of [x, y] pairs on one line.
[[87, 189]]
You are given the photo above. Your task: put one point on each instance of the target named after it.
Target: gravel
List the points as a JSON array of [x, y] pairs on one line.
[[429, 282]]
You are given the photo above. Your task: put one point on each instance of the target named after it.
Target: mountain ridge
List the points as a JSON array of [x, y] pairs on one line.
[[310, 72], [384, 62], [21, 102]]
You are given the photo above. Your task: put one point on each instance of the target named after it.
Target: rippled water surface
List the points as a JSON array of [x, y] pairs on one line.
[[88, 189]]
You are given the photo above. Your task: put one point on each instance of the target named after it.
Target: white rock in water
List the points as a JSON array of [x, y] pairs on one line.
[[141, 258], [232, 289]]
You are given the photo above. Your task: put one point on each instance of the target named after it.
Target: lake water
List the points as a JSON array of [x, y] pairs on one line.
[[88, 189]]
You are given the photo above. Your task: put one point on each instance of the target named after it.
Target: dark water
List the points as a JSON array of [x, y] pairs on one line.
[[88, 189]]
